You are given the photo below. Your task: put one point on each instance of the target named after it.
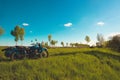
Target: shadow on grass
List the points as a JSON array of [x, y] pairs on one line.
[[98, 54], [65, 54], [5, 60], [101, 55]]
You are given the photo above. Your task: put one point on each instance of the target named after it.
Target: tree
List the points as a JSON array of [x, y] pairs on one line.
[[71, 44], [67, 44], [53, 42], [21, 34], [114, 43], [1, 31], [56, 42], [87, 38], [18, 33], [46, 44], [76, 44], [49, 38], [15, 33], [100, 39], [62, 43]]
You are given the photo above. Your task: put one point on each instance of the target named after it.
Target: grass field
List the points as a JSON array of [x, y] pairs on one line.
[[65, 64]]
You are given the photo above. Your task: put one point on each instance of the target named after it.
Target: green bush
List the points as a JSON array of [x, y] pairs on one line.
[[114, 43]]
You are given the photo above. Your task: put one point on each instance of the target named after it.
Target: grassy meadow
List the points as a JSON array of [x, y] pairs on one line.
[[64, 64]]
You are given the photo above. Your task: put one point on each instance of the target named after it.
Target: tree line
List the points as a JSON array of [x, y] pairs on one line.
[[114, 43]]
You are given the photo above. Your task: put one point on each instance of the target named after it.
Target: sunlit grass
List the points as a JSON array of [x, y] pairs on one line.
[[65, 64]]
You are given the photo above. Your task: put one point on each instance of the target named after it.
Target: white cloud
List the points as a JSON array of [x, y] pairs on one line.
[[101, 23], [25, 24], [68, 24]]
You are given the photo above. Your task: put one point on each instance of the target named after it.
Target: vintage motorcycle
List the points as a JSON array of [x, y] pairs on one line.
[[21, 52]]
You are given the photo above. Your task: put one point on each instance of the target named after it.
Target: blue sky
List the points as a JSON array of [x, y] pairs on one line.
[[65, 20]]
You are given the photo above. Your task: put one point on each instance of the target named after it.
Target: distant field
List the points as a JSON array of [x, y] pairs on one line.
[[65, 64]]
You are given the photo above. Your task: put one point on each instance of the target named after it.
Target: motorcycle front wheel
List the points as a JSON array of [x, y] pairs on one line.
[[44, 54]]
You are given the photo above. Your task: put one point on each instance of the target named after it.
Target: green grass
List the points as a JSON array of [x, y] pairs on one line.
[[65, 64]]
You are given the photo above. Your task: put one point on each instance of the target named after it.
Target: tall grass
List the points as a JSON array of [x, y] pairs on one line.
[[65, 64]]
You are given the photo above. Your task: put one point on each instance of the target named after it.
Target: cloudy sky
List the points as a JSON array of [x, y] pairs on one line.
[[66, 20]]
